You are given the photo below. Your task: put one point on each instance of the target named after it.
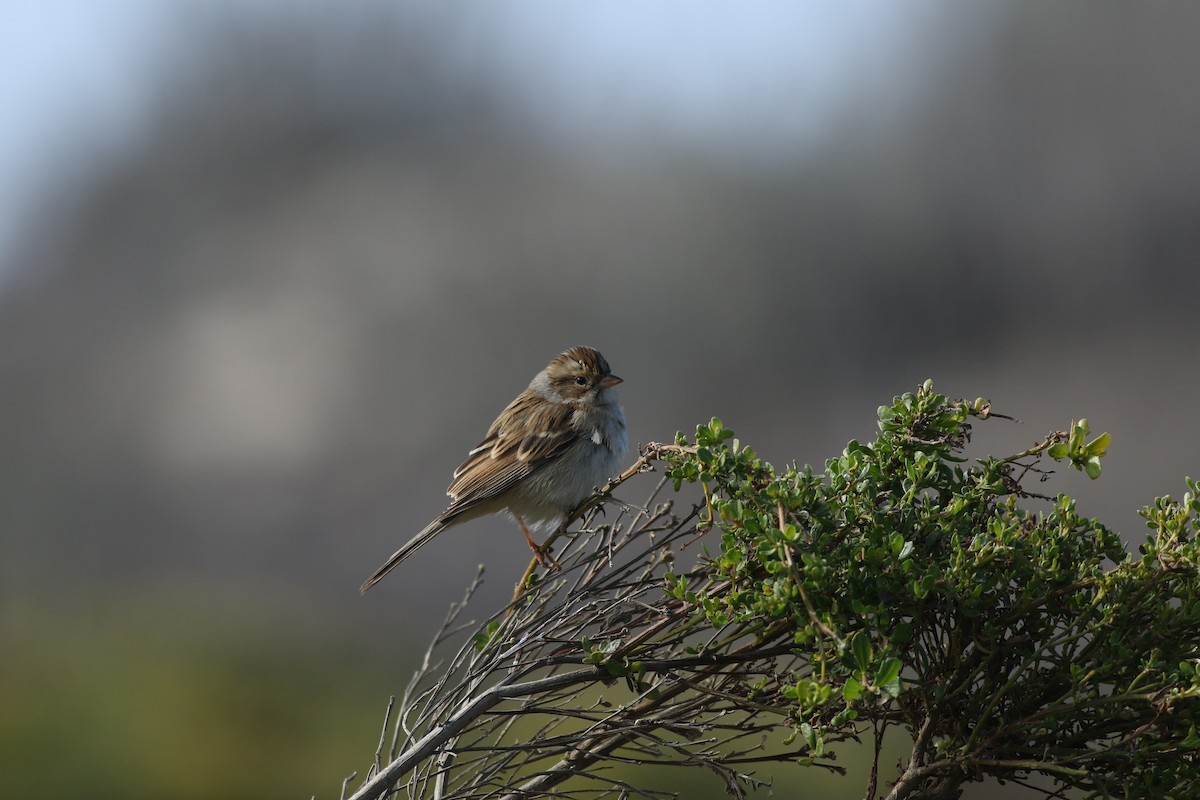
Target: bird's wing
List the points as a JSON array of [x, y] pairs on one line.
[[528, 434]]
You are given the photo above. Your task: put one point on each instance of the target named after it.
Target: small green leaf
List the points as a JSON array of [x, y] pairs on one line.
[[1099, 446], [616, 669], [1058, 451], [1092, 467], [1079, 432], [861, 647], [851, 690], [1192, 740], [888, 676], [483, 637], [810, 735], [889, 670]]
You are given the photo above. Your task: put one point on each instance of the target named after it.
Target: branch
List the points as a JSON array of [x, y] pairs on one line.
[[427, 745], [604, 621]]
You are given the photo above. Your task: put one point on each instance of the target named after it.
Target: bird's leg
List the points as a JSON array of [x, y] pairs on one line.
[[538, 553]]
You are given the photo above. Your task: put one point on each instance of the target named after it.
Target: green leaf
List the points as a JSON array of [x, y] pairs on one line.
[[1192, 740], [851, 690], [888, 676], [1079, 432], [482, 638], [809, 734], [860, 645], [1099, 446], [1092, 467], [1058, 451]]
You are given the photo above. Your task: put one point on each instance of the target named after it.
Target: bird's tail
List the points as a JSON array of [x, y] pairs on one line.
[[410, 547]]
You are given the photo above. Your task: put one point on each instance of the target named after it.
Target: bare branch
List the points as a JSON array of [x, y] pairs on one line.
[[590, 666]]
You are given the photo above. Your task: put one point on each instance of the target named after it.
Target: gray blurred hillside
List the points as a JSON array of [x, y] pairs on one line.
[[241, 360]]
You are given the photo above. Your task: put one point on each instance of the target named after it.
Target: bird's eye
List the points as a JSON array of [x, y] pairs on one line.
[[580, 380]]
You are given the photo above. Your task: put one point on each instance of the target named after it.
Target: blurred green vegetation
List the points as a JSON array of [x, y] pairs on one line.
[[139, 705], [146, 701]]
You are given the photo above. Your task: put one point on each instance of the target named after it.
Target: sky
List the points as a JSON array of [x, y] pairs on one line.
[[72, 86], [77, 76]]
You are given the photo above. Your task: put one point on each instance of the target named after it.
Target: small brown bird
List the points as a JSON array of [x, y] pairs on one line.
[[546, 452]]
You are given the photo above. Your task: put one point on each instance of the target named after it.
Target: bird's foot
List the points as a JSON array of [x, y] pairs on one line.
[[540, 552]]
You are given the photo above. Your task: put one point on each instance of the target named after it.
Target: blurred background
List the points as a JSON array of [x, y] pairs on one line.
[[268, 269]]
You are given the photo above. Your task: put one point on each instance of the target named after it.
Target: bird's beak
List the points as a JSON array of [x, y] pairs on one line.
[[609, 381]]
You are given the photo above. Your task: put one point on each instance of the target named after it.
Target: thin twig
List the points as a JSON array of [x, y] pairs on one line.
[[598, 666]]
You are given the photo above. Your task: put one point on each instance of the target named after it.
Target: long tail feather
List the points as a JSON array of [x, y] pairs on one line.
[[410, 547]]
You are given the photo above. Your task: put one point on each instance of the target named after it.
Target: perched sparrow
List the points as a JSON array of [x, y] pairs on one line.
[[562, 437]]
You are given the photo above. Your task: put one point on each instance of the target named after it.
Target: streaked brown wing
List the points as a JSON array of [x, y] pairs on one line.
[[524, 438]]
